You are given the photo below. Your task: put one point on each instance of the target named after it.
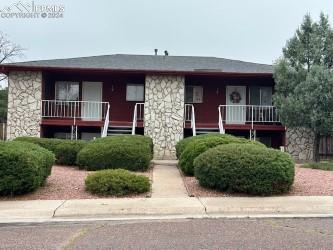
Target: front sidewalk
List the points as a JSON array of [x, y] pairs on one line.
[[164, 208]]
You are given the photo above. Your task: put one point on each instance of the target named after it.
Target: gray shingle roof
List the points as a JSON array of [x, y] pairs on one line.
[[152, 63]]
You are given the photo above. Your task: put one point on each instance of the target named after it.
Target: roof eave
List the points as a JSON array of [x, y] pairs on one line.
[[5, 69]]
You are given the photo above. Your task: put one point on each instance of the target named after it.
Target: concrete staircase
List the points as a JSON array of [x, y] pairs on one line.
[[201, 131], [119, 130]]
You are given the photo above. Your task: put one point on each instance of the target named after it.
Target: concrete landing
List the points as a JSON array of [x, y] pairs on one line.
[[167, 182]]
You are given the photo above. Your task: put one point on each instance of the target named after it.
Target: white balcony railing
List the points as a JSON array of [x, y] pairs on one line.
[[138, 115], [189, 116], [247, 114], [86, 110]]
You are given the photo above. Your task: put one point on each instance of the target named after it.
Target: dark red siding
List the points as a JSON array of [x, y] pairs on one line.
[[214, 91], [114, 90]]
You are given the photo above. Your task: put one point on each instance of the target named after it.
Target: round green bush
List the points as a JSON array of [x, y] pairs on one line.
[[116, 182], [65, 150], [182, 144], [47, 143], [131, 152], [199, 145], [245, 168], [23, 167]]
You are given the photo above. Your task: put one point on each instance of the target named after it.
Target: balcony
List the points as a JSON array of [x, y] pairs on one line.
[[247, 115], [83, 110]]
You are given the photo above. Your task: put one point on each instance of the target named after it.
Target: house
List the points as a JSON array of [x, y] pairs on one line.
[[164, 97]]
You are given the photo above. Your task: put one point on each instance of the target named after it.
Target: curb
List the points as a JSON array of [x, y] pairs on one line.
[[12, 212]]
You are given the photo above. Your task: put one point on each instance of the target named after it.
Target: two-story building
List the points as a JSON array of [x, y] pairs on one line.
[[164, 97]]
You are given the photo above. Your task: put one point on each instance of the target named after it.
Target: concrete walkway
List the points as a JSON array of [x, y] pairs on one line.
[[165, 208], [167, 182]]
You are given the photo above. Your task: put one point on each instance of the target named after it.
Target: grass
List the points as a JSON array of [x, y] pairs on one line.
[[323, 165]]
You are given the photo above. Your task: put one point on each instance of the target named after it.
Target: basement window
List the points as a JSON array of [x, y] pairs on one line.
[[193, 94], [135, 92]]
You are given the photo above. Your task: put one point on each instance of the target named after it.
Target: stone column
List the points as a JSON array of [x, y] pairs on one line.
[[24, 104], [164, 113], [299, 143]]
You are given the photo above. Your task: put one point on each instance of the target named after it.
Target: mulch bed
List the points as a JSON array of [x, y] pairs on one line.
[[67, 182], [308, 182]]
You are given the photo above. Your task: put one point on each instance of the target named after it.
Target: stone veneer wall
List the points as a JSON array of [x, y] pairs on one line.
[[299, 143], [24, 104], [164, 113]]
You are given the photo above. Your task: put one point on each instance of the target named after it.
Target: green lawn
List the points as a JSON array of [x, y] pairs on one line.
[[323, 165]]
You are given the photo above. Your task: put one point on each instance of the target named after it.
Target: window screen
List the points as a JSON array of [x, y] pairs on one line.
[[135, 92], [67, 91], [193, 94]]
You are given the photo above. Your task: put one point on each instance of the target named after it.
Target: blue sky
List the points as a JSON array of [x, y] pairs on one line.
[[250, 30]]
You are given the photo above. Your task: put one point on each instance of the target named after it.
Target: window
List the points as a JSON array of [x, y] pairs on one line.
[[193, 94], [135, 92], [261, 96], [67, 91]]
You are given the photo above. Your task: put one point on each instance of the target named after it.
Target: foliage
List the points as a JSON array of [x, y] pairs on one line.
[[64, 150], [132, 152], [245, 168], [304, 79], [23, 167], [323, 165], [200, 144], [182, 144], [3, 104], [116, 182]]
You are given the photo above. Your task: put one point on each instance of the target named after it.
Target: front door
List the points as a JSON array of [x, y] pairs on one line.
[[91, 108], [236, 104]]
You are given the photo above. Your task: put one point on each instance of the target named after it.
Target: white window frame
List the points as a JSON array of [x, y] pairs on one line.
[[66, 82], [260, 94], [136, 98], [194, 99]]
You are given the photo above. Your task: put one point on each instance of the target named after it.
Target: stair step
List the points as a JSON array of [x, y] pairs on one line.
[[119, 130]]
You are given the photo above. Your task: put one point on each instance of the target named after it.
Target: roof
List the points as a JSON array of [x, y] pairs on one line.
[[145, 63]]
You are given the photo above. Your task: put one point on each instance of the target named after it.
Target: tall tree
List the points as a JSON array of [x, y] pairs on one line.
[[8, 51], [304, 80], [3, 104]]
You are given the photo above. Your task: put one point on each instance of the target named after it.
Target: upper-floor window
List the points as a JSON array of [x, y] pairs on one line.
[[193, 94], [135, 92], [67, 91], [261, 95]]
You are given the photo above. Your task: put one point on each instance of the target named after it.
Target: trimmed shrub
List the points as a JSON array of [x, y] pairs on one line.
[[245, 168], [199, 145], [116, 182], [131, 152], [23, 167], [182, 144], [47, 143], [65, 150]]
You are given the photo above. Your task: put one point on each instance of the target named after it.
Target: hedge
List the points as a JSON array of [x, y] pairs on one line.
[[64, 150], [116, 182], [245, 168], [131, 152], [23, 167], [200, 144]]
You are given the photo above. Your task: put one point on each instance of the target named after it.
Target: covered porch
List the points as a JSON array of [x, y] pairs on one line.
[[79, 105], [237, 104]]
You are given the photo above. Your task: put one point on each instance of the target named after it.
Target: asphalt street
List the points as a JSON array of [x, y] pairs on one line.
[[173, 234]]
